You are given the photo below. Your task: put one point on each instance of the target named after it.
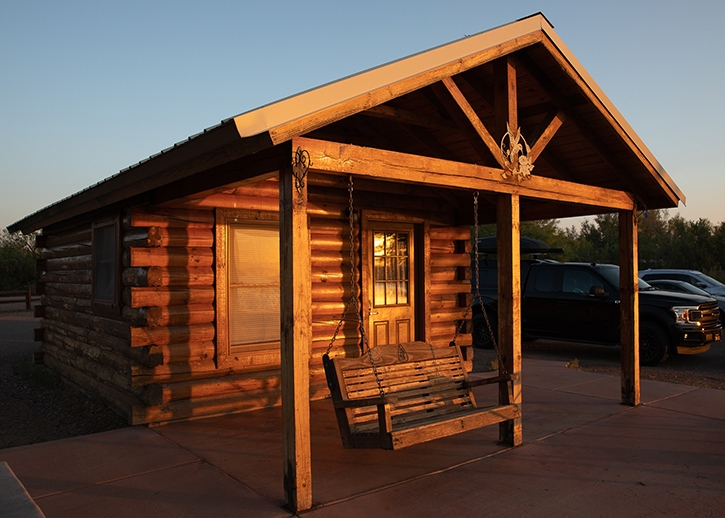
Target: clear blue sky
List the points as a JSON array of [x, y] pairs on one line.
[[88, 88]]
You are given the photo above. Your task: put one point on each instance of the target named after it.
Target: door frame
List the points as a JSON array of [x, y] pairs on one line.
[[418, 271]]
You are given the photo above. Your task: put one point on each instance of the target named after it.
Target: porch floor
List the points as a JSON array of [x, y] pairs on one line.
[[584, 454]]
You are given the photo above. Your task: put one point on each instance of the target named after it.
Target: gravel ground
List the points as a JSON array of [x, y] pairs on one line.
[[37, 406], [706, 370]]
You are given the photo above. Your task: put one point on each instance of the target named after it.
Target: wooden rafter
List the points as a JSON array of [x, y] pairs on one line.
[[545, 132], [572, 73], [553, 161], [408, 117], [452, 108], [328, 115], [332, 157], [473, 118], [584, 128], [425, 138], [505, 96]]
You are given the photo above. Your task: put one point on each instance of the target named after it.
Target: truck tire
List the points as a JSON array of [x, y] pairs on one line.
[[653, 344], [481, 334]]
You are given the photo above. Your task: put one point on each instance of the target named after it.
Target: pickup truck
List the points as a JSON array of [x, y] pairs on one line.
[[580, 302]]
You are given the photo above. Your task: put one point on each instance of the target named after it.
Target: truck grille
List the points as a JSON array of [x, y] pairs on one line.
[[709, 314]]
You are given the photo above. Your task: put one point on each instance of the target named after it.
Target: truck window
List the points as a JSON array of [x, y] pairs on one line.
[[545, 280], [580, 282]]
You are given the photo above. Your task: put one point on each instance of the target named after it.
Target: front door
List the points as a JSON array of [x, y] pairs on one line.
[[390, 284]]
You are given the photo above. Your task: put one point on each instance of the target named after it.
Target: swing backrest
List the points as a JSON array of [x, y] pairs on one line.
[[419, 382]]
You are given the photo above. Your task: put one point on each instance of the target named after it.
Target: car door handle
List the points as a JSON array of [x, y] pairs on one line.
[[562, 302]]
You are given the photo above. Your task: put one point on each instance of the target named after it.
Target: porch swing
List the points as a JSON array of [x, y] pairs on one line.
[[398, 395]]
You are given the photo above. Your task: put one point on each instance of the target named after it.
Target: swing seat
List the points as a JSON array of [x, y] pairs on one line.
[[427, 395]]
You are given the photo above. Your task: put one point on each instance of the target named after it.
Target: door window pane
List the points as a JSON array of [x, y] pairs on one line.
[[392, 267]]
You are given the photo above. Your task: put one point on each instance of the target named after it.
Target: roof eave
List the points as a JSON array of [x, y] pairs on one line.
[[599, 97], [214, 146]]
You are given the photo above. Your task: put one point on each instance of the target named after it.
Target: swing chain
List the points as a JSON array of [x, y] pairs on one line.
[[476, 295], [477, 290], [353, 294]]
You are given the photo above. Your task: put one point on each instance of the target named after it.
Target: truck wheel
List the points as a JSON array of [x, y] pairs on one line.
[[481, 334], [653, 344]]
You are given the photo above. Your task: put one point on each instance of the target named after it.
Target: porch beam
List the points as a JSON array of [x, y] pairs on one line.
[[295, 338], [332, 157], [629, 307], [508, 235]]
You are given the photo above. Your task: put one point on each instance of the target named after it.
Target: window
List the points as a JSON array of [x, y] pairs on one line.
[[392, 264], [580, 282], [248, 286], [105, 255], [253, 284], [544, 282]]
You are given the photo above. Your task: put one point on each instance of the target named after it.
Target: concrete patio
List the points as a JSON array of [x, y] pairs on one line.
[[584, 454]]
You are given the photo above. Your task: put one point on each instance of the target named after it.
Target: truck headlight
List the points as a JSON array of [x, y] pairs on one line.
[[686, 314]]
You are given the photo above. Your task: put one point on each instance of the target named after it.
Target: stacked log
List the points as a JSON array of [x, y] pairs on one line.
[[168, 298], [156, 359], [450, 288], [90, 349], [331, 290]]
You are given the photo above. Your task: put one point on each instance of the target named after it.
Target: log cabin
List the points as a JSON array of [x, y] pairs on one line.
[[211, 278]]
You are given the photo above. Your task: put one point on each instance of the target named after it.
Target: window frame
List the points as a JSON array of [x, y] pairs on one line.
[[265, 354], [112, 305]]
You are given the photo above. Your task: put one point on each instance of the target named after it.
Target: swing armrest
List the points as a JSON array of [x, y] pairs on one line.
[[495, 379]]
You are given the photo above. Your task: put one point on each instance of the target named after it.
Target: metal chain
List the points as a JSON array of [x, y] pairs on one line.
[[477, 290], [462, 322], [353, 294], [353, 290]]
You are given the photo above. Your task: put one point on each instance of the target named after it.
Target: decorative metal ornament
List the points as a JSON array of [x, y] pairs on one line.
[[301, 163], [515, 152]]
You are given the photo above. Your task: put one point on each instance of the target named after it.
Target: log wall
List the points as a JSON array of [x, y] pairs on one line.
[[90, 349], [155, 360]]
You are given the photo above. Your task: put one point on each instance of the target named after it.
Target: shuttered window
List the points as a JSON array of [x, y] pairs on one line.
[[105, 253], [253, 284]]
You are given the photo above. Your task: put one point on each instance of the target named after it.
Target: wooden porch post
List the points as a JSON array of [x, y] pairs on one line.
[[295, 336], [629, 310], [508, 234]]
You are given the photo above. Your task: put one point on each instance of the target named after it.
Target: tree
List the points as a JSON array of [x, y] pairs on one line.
[[17, 261], [599, 240]]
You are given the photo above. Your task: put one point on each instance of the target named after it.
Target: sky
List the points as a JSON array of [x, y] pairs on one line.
[[88, 88]]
